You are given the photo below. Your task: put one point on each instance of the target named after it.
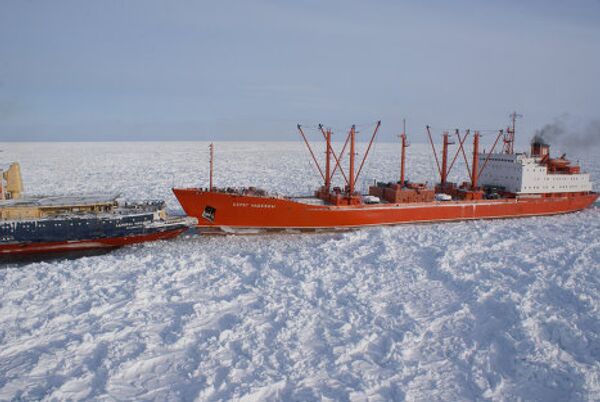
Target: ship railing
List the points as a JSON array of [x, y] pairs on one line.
[[250, 191], [143, 206]]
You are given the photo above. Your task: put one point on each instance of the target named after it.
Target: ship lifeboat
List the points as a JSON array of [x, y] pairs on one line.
[[443, 197], [371, 199], [558, 163]]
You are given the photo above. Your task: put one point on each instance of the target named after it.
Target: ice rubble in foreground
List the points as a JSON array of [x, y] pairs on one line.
[[476, 310]]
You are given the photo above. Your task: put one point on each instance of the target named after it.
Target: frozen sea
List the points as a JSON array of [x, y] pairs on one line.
[[483, 310]]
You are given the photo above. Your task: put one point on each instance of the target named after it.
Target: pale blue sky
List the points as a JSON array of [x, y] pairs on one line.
[[154, 70]]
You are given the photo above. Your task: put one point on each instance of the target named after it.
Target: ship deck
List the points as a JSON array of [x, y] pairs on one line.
[[309, 200], [59, 201]]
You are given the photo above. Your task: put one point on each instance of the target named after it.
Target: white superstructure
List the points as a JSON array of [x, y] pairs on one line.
[[523, 174]]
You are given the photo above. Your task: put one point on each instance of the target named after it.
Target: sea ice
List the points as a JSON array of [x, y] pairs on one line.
[[481, 310]]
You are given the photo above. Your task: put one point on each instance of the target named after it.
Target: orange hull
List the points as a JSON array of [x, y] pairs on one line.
[[228, 211]]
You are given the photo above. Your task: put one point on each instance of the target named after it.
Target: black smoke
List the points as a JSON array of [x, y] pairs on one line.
[[569, 134], [550, 133]]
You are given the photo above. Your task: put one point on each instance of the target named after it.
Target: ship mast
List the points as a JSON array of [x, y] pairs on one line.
[[353, 173], [212, 162], [404, 145], [509, 138], [475, 166], [351, 167], [444, 173], [328, 161]]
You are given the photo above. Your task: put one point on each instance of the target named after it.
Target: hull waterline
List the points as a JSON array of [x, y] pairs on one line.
[[90, 244]]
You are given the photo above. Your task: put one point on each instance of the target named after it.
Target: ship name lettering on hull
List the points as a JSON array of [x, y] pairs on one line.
[[248, 205]]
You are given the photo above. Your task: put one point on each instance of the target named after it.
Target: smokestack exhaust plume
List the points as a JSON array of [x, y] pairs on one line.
[[578, 135], [538, 139]]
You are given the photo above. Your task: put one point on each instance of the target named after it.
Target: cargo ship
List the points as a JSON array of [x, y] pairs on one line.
[[502, 184], [61, 224]]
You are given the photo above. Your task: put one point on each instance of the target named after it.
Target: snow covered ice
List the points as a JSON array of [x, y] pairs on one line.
[[482, 310]]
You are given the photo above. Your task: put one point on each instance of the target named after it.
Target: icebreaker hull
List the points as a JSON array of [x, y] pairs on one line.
[[88, 244]]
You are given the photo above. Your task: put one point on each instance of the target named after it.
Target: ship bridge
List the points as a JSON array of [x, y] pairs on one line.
[[523, 174]]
